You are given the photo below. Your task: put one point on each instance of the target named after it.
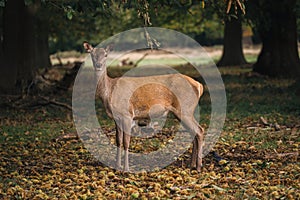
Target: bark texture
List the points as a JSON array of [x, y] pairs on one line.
[[24, 47], [279, 55], [232, 47]]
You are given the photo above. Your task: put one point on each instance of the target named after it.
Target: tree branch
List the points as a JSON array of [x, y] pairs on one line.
[[52, 101]]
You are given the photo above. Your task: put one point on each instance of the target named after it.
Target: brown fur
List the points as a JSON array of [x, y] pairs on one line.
[[129, 98]]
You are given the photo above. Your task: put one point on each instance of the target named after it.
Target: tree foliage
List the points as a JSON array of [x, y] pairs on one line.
[[96, 25], [94, 20]]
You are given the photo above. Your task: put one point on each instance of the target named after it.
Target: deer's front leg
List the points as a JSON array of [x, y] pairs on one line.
[[119, 141], [126, 140]]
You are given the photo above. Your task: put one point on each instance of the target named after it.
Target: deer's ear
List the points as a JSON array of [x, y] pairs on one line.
[[88, 47], [108, 49]]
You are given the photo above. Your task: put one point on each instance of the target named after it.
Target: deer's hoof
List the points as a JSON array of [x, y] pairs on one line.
[[118, 167], [196, 168], [193, 165], [126, 169]]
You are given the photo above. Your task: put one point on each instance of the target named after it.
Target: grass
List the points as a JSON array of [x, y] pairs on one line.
[[261, 162], [177, 61]]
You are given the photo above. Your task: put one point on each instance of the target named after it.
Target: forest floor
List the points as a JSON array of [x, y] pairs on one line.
[[41, 156]]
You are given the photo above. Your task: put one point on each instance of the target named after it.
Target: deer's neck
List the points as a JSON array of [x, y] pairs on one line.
[[104, 85]]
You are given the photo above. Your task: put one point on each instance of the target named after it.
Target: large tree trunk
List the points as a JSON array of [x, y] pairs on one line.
[[279, 54], [232, 47], [42, 47], [13, 16], [42, 58], [1, 33], [21, 47]]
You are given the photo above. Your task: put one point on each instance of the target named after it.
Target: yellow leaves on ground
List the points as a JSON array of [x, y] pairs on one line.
[[257, 161], [67, 171]]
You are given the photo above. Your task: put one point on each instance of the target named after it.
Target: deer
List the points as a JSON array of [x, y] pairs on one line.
[[150, 96]]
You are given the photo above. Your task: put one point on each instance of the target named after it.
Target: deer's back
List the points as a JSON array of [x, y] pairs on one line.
[[143, 95]]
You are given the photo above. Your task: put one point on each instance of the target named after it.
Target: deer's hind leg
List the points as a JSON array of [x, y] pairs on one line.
[[194, 155], [191, 124]]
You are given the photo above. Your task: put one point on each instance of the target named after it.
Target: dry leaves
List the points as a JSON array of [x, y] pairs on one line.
[[42, 158], [63, 169]]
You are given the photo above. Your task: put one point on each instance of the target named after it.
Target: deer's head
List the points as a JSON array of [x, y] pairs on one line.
[[98, 55]]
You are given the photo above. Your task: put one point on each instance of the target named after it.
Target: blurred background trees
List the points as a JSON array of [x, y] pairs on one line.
[[233, 18], [24, 43], [31, 30], [276, 23]]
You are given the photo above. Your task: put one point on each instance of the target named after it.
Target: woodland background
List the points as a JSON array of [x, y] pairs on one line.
[[255, 43]]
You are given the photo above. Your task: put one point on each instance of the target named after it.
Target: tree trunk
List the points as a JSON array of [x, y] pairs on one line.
[[13, 15], [232, 47], [42, 35], [42, 48], [21, 47], [1, 33], [279, 55]]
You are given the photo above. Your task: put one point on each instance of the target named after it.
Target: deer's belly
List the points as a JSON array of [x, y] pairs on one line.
[[149, 111]]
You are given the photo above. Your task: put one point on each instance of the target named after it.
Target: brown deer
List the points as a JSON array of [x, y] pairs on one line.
[[151, 95]]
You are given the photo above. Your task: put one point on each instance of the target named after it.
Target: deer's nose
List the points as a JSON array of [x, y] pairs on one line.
[[98, 65]]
